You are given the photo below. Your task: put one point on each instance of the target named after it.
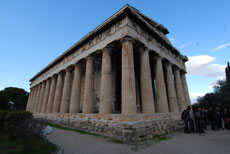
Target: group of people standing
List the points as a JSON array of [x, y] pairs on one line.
[[198, 119]]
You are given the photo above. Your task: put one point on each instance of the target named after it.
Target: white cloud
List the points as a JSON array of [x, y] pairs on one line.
[[184, 45], [172, 40], [194, 96], [222, 46], [203, 65], [214, 82]]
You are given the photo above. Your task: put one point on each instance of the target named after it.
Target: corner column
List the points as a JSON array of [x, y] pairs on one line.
[[161, 96], [29, 100], [66, 92], [106, 82], [185, 87], [58, 94], [179, 90], [147, 98], [46, 96], [172, 98], [51, 94], [128, 78], [33, 99], [88, 90], [76, 91], [41, 96], [37, 98]]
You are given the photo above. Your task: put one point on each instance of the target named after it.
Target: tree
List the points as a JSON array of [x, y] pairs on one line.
[[219, 98], [13, 94]]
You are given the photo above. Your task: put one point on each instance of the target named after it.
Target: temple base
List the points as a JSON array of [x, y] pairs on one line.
[[128, 128]]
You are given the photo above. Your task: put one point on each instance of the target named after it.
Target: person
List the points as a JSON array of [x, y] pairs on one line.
[[204, 117], [222, 118], [214, 119], [199, 121], [227, 119], [187, 118]]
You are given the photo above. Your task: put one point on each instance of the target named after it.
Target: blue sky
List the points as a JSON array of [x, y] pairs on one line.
[[35, 32]]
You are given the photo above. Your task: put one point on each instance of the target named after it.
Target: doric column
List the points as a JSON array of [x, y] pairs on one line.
[[76, 91], [29, 100], [58, 94], [51, 94], [147, 98], [33, 99], [37, 98], [128, 78], [46, 96], [172, 98], [179, 90], [106, 82], [41, 97], [161, 96], [66, 92], [88, 90], [185, 87]]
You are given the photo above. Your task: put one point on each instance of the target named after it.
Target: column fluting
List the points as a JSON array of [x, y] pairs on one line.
[[106, 82], [46, 96], [88, 90], [51, 94], [147, 98], [161, 96], [66, 92], [128, 78]]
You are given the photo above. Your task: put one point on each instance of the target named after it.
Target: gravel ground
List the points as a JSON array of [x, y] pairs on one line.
[[212, 142]]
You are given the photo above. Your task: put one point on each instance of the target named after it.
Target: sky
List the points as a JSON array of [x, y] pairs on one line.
[[34, 32]]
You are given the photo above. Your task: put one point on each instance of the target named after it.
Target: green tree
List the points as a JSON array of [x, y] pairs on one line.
[[220, 97], [13, 94]]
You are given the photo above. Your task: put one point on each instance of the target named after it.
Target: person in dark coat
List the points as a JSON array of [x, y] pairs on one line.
[[199, 121], [187, 119]]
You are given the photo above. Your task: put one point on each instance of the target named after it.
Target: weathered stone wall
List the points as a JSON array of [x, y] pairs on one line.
[[125, 131]]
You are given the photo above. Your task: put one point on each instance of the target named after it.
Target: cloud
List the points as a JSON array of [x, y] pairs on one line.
[[172, 40], [184, 45], [204, 65], [194, 96], [222, 46], [214, 82]]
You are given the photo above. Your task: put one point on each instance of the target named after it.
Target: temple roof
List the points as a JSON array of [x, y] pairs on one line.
[[151, 26]]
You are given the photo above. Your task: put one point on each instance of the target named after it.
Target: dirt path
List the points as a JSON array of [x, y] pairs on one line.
[[213, 142]]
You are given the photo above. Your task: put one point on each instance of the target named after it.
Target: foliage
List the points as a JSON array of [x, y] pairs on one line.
[[16, 95], [3, 114], [219, 98], [17, 146], [30, 131], [13, 119]]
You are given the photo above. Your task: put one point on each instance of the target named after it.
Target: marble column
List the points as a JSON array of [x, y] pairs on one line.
[[46, 96], [33, 99], [128, 78], [41, 97], [185, 88], [37, 98], [179, 90], [161, 96], [29, 100], [172, 98], [66, 92], [76, 91], [58, 93], [51, 94], [147, 98], [88, 90], [106, 82]]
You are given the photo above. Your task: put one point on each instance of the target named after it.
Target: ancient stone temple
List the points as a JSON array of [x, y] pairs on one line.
[[124, 79]]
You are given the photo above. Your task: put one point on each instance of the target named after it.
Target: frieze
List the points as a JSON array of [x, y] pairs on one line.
[[106, 33], [150, 38]]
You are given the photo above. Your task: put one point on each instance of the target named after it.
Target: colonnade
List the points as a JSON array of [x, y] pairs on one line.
[[61, 93]]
